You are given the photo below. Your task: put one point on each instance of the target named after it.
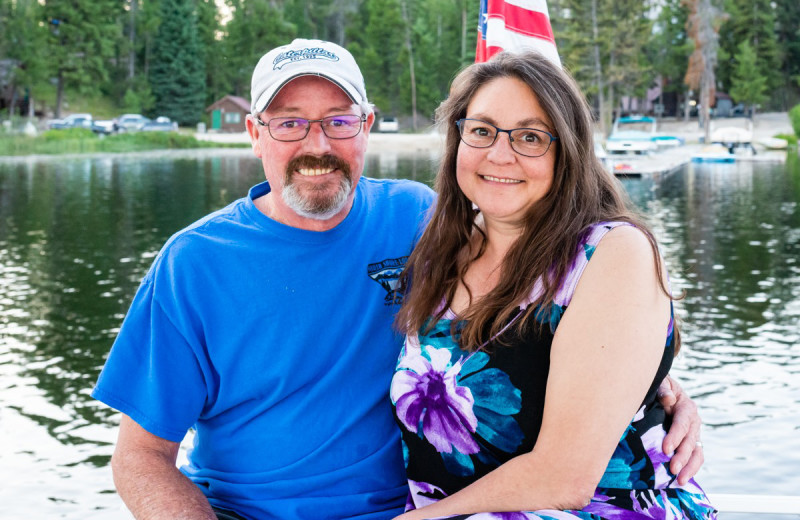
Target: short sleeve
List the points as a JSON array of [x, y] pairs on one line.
[[152, 373]]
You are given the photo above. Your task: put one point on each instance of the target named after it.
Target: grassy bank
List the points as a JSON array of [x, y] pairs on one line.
[[77, 140]]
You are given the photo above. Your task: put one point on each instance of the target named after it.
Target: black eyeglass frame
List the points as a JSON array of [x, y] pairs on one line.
[[362, 120], [510, 138]]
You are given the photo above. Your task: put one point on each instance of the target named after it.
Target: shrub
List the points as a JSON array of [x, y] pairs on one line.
[[794, 117], [154, 140], [68, 134], [789, 138]]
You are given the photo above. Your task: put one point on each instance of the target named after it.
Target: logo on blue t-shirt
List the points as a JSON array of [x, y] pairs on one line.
[[387, 272], [312, 53]]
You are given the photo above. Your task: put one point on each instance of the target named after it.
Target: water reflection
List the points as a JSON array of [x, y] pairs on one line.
[[731, 234], [77, 235]]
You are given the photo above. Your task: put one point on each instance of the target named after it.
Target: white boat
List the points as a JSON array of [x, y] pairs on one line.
[[637, 134], [632, 135], [715, 153], [738, 141], [773, 143]]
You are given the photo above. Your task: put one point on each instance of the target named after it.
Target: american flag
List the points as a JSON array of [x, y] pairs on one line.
[[514, 25]]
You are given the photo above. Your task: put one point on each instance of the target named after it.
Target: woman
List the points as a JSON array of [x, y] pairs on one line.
[[524, 362]]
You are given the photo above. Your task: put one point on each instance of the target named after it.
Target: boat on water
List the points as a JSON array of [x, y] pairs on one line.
[[773, 143], [738, 141], [727, 144], [715, 153], [638, 135]]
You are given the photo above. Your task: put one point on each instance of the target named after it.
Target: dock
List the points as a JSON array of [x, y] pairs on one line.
[[664, 162], [655, 165], [735, 506]]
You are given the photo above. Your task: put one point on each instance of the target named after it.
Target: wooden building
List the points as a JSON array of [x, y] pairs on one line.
[[228, 114]]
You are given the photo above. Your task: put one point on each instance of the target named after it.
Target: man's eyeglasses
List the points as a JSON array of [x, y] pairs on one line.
[[525, 141], [296, 128]]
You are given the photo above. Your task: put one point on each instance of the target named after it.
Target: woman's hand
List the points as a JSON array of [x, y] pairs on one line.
[[409, 516], [684, 432]]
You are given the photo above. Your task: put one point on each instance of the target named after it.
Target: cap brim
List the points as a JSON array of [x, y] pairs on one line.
[[268, 95]]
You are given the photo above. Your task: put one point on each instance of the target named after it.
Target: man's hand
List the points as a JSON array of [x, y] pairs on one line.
[[684, 432]]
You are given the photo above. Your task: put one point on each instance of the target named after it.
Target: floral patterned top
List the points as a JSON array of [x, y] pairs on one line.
[[463, 414]]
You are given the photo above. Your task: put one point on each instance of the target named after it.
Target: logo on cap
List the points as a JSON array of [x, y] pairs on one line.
[[303, 54]]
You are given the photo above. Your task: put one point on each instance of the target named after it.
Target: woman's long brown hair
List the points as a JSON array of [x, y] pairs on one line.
[[582, 193]]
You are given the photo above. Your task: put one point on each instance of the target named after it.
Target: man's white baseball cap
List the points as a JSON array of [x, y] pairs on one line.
[[305, 58]]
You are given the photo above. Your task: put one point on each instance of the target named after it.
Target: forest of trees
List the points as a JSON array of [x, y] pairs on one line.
[[175, 57]]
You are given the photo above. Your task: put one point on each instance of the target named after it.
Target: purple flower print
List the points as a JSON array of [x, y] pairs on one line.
[[563, 295], [428, 399], [422, 494], [652, 441], [655, 504]]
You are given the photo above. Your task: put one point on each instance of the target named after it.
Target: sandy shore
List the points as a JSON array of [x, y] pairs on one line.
[[378, 142], [764, 125]]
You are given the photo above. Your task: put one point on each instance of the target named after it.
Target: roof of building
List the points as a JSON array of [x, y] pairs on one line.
[[237, 100]]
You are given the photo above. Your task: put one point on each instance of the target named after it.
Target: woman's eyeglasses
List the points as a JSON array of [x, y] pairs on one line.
[[529, 142]]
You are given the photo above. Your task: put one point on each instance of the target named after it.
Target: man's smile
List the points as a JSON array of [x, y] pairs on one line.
[[314, 172]]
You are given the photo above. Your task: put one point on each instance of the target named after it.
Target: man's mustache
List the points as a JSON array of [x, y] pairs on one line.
[[328, 162]]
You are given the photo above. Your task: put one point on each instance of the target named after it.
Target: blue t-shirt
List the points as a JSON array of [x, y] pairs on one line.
[[275, 344]]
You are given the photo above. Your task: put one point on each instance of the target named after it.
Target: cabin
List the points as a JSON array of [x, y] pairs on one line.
[[228, 114]]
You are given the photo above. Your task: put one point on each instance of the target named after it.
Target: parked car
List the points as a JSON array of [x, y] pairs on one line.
[[104, 126], [161, 124], [131, 122], [388, 124], [71, 121]]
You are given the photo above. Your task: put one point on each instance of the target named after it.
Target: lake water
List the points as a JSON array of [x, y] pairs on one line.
[[77, 235]]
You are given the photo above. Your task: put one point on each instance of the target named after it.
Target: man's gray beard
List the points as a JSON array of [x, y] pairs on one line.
[[316, 208]]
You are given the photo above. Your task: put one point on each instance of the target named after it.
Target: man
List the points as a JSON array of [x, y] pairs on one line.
[[266, 325]]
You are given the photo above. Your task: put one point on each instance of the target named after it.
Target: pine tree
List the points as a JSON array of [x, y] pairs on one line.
[[22, 38], [177, 71], [247, 38], [753, 21], [669, 47], [208, 26], [379, 52], [788, 37], [748, 85], [437, 37], [602, 48], [81, 43]]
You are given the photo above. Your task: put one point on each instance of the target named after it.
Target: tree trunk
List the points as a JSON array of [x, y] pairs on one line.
[[13, 104], [439, 32], [146, 63], [598, 73], [613, 104], [705, 107], [307, 11], [59, 93], [686, 108], [463, 32], [407, 21], [132, 39]]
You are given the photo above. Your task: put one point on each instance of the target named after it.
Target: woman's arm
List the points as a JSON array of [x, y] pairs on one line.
[[604, 356]]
